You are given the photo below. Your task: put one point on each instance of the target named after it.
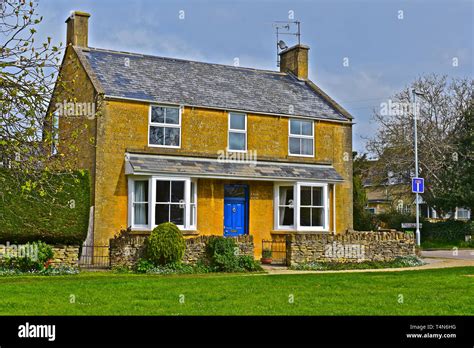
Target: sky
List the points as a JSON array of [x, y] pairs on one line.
[[361, 52]]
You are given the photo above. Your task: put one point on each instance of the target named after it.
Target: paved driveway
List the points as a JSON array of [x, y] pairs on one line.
[[461, 254]]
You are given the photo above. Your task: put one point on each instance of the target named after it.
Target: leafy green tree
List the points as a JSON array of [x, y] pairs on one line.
[[457, 177], [29, 71], [363, 220]]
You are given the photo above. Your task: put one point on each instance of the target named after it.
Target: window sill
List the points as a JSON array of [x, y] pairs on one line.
[[141, 231], [294, 155], [236, 151], [165, 146], [147, 232], [300, 232]]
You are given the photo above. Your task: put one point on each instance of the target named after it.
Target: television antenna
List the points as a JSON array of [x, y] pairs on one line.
[[292, 28]]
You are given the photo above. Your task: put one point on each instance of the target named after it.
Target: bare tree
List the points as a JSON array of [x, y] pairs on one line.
[[440, 113]]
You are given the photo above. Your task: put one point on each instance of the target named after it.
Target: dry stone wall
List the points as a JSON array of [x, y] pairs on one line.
[[127, 249], [67, 255], [351, 246]]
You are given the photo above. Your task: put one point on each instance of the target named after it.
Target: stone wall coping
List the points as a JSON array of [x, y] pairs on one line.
[[287, 232], [147, 233]]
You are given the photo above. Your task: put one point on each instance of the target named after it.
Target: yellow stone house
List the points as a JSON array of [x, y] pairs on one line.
[[216, 149]]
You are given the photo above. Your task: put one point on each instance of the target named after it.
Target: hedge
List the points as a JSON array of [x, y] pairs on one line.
[[58, 213], [448, 231], [394, 219]]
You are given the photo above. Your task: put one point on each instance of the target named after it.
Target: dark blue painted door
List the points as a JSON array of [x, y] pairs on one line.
[[235, 212]]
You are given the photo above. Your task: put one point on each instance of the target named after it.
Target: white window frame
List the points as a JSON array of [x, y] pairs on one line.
[[371, 210], [456, 215], [232, 130], [325, 207], [297, 205], [165, 125], [276, 200], [188, 224], [300, 136], [131, 199]]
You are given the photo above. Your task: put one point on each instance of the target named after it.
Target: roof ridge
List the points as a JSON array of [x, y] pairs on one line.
[[180, 59]]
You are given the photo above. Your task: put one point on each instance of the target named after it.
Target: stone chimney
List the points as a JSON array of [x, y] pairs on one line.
[[295, 60], [77, 28]]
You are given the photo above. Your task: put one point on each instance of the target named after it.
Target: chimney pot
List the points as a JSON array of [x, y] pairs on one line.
[[295, 60], [77, 28]]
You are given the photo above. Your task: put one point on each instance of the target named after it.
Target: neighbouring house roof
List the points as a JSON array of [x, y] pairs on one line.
[[184, 82], [214, 168]]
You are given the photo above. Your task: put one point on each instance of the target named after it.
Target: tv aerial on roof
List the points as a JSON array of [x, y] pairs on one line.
[[282, 45], [292, 28]]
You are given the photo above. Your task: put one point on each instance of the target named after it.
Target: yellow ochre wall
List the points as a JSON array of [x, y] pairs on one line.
[[124, 127]]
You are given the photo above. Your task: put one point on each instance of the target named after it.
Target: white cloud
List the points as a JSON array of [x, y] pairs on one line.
[[359, 92]]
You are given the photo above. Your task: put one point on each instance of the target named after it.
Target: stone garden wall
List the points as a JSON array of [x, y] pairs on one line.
[[67, 255], [351, 246], [125, 250]]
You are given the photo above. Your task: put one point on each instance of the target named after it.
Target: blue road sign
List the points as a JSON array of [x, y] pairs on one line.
[[417, 185]]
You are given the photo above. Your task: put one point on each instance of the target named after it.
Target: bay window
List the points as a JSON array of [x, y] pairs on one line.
[[155, 200], [286, 214], [140, 203], [311, 206], [302, 206]]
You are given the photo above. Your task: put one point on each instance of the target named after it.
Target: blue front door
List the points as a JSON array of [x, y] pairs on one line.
[[235, 210]]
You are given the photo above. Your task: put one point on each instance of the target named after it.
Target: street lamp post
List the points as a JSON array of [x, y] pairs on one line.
[[416, 165]]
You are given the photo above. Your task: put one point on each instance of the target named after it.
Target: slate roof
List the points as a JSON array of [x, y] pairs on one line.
[[184, 82], [203, 167]]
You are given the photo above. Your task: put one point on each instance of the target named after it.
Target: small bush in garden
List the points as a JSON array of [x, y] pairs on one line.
[[249, 264], [60, 270], [165, 244], [408, 261], [400, 261], [143, 266], [36, 257], [393, 219], [223, 254], [179, 268], [50, 271]]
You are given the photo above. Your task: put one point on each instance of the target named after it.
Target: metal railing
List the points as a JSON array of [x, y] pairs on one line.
[[278, 249], [94, 256]]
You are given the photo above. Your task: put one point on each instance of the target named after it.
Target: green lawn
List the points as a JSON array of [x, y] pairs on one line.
[[428, 292]]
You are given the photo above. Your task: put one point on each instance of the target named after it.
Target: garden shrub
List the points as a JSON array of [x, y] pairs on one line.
[[35, 259], [223, 254], [50, 271], [165, 244], [398, 262], [143, 265], [394, 219], [248, 263], [55, 214]]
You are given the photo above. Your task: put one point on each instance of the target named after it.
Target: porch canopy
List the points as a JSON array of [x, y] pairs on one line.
[[146, 164]]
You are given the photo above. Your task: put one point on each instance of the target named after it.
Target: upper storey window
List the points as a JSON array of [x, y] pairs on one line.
[[301, 138], [237, 137], [164, 126]]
